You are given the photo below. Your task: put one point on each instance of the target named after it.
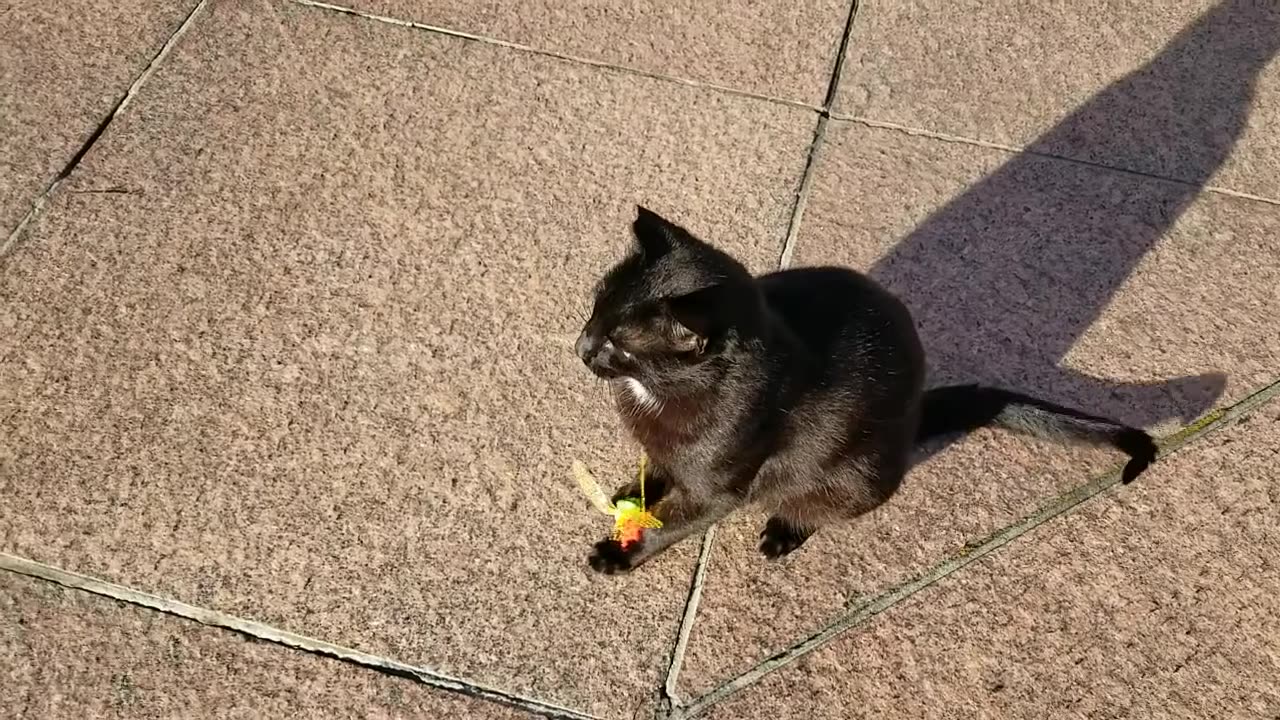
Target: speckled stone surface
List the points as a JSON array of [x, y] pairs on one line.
[[1187, 89], [63, 66], [772, 47], [294, 342], [314, 365], [69, 654], [1158, 600], [1087, 286]]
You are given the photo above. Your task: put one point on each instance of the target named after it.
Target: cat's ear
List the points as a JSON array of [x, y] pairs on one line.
[[698, 316], [655, 235]]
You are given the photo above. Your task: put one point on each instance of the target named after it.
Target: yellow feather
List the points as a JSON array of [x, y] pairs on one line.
[[591, 488], [647, 520]]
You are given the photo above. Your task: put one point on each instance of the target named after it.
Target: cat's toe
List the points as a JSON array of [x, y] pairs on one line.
[[776, 547], [609, 558], [779, 539]]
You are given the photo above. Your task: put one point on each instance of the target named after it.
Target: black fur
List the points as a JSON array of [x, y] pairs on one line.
[[963, 408], [801, 390]]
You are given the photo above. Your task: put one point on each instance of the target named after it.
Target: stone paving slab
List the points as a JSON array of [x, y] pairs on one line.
[[294, 343], [1091, 287], [63, 67], [770, 47], [314, 365], [69, 654], [1183, 88], [1156, 600]]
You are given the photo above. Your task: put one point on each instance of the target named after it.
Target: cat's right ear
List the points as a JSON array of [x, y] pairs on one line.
[[698, 317], [655, 236]]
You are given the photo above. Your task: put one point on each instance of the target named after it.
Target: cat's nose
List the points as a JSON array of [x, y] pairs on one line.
[[588, 346]]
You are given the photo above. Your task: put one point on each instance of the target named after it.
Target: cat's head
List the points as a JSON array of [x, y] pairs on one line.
[[671, 306]]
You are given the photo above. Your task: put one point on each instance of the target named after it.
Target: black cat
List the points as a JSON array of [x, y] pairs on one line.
[[802, 390]]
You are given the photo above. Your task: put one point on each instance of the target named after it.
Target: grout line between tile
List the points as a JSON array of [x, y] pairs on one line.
[[825, 110], [267, 633], [670, 691], [819, 138], [671, 704], [42, 199], [945, 137], [842, 53], [887, 599], [802, 193], [1241, 195], [414, 25]]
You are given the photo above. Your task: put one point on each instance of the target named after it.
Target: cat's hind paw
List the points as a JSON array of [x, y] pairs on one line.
[[779, 539]]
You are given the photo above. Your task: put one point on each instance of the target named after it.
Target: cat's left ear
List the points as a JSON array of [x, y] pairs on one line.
[[698, 317], [655, 235]]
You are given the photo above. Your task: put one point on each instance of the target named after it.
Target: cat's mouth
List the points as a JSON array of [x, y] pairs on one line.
[[598, 353], [601, 368]]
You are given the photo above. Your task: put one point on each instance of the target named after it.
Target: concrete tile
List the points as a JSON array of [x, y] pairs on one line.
[[1186, 88], [71, 654], [316, 367], [1161, 600], [63, 66], [1086, 286], [782, 49]]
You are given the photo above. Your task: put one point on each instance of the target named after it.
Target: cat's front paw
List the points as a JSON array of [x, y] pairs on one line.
[[779, 538], [609, 558]]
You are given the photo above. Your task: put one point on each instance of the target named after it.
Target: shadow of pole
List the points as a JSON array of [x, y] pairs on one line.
[[1006, 277]]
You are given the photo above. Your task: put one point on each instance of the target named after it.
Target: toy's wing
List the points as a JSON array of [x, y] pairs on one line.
[[647, 520], [591, 488]]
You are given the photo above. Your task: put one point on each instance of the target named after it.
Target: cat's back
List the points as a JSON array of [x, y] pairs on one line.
[[833, 309], [861, 368]]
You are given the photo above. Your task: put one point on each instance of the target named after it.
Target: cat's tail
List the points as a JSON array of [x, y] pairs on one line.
[[962, 408]]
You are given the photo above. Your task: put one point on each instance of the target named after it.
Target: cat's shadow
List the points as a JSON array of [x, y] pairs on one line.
[[1008, 276]]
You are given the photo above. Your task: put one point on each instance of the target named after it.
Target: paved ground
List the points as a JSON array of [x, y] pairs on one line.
[[286, 310]]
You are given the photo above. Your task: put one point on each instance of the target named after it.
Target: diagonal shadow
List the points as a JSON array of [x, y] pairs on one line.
[[1008, 276]]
